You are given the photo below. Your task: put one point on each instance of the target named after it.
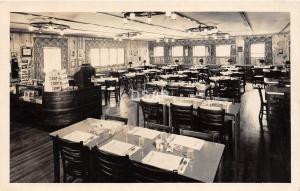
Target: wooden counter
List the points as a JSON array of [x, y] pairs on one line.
[[60, 109]]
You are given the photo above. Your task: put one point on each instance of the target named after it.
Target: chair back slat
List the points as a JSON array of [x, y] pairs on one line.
[[111, 167], [147, 173]]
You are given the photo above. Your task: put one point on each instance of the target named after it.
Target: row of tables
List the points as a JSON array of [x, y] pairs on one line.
[[160, 149], [232, 110]]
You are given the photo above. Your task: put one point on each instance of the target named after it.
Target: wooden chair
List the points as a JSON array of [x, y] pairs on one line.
[[182, 117], [197, 134], [258, 76], [263, 105], [111, 168], [173, 90], [213, 122], [116, 118], [159, 127], [187, 91], [111, 87], [150, 88], [146, 174], [152, 112], [74, 158]]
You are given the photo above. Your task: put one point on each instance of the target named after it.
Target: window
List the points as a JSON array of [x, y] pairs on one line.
[[258, 50], [95, 57], [223, 50], [199, 51], [107, 57], [177, 51], [121, 59], [158, 51], [52, 59]]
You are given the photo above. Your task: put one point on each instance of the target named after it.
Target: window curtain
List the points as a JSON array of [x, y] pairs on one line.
[[233, 53], [39, 44], [268, 48]]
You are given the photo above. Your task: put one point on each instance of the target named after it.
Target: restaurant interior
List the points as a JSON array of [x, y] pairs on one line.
[[141, 97]]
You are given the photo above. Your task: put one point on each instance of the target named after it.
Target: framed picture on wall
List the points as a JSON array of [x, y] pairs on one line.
[[26, 52], [240, 49], [73, 63]]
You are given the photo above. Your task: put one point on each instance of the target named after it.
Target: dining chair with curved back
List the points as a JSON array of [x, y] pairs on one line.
[[152, 112], [213, 121], [111, 168], [145, 173], [182, 117], [74, 159]]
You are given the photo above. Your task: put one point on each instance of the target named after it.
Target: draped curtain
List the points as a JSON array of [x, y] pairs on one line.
[[39, 44], [254, 39]]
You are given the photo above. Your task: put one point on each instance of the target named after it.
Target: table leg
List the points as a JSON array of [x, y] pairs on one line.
[[137, 114], [56, 162]]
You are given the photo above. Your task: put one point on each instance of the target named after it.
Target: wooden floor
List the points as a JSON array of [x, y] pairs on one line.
[[264, 156]]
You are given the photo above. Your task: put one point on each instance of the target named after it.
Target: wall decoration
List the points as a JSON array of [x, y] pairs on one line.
[[14, 54], [73, 63], [26, 52], [240, 49]]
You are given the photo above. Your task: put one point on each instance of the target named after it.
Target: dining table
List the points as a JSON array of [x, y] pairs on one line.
[[232, 110], [192, 158], [200, 87], [168, 76]]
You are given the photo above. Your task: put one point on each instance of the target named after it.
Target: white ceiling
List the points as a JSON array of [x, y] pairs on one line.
[[110, 24]]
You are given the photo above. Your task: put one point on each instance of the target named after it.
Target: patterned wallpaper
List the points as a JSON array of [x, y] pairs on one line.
[[258, 39], [39, 44]]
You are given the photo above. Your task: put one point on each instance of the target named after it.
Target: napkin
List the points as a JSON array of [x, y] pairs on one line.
[[188, 142], [77, 136], [119, 148], [162, 160], [144, 132]]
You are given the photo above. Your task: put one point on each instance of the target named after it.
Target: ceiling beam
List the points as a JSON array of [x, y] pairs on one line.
[[246, 19], [285, 27]]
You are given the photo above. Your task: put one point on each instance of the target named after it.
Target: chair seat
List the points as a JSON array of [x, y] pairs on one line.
[[111, 89]]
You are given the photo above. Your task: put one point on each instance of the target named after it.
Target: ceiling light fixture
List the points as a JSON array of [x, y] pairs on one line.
[[50, 26], [165, 39], [220, 35], [129, 35], [132, 16], [202, 28], [173, 16], [168, 13]]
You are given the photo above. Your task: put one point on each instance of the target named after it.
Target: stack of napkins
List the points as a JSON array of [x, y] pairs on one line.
[[119, 148], [77, 136], [188, 142]]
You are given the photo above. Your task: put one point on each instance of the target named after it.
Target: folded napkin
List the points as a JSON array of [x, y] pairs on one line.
[[188, 142], [144, 132], [119, 148], [77, 136], [164, 161]]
